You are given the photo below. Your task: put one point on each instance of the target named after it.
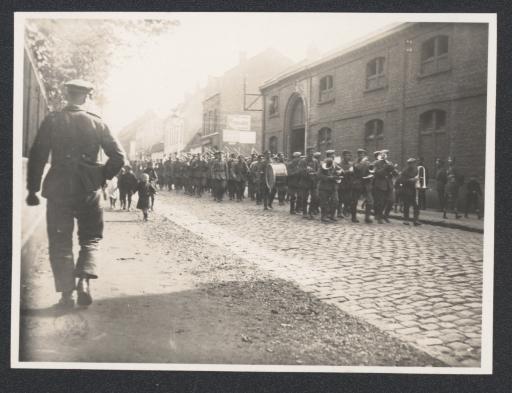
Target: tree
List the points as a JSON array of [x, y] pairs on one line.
[[65, 49]]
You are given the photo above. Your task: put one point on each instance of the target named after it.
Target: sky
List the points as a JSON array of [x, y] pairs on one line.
[[209, 44]]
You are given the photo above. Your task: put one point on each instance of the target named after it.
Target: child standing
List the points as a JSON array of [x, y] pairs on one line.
[[146, 191], [113, 192]]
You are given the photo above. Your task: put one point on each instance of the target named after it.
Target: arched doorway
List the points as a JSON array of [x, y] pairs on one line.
[[296, 125]]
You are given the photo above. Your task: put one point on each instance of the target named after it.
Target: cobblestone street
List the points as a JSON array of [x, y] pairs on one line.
[[422, 285]]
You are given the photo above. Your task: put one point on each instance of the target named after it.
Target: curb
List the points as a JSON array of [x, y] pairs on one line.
[[434, 222]]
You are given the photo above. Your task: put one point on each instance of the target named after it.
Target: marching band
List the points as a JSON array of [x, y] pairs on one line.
[[330, 188]]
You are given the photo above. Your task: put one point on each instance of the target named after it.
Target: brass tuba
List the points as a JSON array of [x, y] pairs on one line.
[[421, 181]]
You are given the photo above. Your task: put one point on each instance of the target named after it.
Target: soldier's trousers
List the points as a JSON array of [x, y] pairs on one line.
[[240, 190], [364, 191], [345, 201], [218, 188], [267, 194], [281, 192], [60, 221], [410, 200], [232, 188], [328, 202], [293, 193], [312, 194], [383, 202]]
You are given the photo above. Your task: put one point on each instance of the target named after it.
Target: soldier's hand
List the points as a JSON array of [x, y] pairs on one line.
[[32, 199]]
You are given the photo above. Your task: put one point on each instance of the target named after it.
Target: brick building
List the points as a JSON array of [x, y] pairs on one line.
[[223, 106], [417, 89]]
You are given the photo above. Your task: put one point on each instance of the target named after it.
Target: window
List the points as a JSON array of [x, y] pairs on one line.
[[375, 76], [434, 55], [273, 105], [326, 88], [374, 135], [432, 121], [272, 144], [324, 139], [205, 123]]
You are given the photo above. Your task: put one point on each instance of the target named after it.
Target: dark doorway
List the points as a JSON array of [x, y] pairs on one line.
[[297, 133], [297, 139]]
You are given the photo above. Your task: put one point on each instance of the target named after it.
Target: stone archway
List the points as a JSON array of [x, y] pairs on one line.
[[295, 125]]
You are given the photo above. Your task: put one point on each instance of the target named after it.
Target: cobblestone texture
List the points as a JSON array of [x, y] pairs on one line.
[[423, 285]]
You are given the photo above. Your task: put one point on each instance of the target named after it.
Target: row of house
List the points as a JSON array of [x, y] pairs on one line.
[[417, 89]]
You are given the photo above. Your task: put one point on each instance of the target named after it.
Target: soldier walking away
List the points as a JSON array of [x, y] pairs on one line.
[[410, 194], [72, 186]]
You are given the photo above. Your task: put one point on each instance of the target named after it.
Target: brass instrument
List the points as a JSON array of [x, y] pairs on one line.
[[421, 182]]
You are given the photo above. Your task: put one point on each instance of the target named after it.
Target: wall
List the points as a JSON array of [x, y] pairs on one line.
[[459, 90]]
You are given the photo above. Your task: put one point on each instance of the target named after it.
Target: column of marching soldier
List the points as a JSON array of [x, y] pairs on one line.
[[314, 185]]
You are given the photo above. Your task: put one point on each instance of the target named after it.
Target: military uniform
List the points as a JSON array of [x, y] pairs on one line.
[[345, 188], [219, 177], [266, 194], [74, 137], [293, 180], [409, 193], [308, 185], [383, 188], [327, 190], [362, 185]]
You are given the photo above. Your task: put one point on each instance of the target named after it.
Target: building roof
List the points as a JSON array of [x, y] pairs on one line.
[[339, 52]]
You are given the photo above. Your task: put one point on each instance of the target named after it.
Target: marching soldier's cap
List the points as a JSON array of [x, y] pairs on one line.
[[297, 154], [411, 159], [260, 156], [385, 151], [361, 150], [317, 154], [377, 152], [346, 152], [310, 148], [329, 152], [79, 85], [216, 153], [267, 152]]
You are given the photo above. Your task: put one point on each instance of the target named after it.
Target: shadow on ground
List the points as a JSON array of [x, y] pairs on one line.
[[242, 322]]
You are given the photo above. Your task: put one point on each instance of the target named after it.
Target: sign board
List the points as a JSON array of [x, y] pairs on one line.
[[239, 122], [235, 136], [230, 136], [248, 137]]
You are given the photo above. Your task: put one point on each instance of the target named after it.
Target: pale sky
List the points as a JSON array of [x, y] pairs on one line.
[[210, 44]]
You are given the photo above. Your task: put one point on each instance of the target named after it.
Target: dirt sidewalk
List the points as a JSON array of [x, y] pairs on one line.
[[164, 296]]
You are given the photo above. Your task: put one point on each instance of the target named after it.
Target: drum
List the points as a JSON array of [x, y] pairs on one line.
[[276, 174]]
